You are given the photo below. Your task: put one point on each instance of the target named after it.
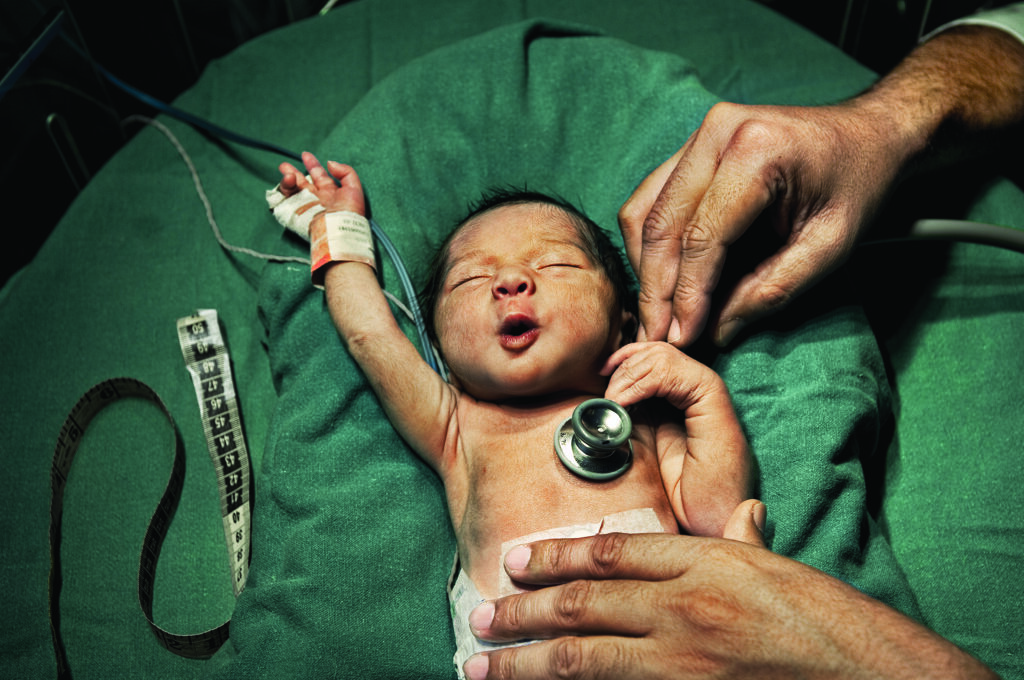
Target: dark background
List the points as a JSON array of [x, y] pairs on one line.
[[60, 120]]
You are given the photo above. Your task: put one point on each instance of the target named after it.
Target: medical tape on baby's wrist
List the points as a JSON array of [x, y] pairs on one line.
[[339, 237], [295, 212]]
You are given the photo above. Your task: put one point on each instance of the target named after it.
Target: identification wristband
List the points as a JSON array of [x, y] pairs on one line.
[[339, 237]]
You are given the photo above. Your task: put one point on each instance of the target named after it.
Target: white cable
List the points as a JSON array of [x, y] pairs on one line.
[[327, 8], [977, 232], [961, 230], [213, 223], [924, 20], [206, 202]]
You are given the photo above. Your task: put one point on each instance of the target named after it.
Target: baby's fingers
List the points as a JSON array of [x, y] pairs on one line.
[[346, 175], [349, 195], [293, 180], [642, 370], [321, 179], [637, 373], [619, 356], [342, 172]]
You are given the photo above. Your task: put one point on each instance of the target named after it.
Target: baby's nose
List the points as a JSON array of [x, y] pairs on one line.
[[511, 281]]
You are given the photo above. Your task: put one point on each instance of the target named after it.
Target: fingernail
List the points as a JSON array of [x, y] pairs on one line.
[[517, 558], [727, 330], [476, 667], [760, 513], [641, 333], [674, 332], [481, 617]]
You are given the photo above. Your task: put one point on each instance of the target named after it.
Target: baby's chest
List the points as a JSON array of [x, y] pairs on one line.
[[517, 477], [512, 459], [534, 445]]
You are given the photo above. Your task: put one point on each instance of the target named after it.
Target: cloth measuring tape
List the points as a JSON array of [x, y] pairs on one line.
[[208, 362]]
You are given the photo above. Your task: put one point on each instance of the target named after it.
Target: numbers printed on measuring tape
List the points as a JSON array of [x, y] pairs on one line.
[[208, 363], [206, 358]]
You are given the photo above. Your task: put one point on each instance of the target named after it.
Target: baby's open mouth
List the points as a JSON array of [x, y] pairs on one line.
[[518, 331]]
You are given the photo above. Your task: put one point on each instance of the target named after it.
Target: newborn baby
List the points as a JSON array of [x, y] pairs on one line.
[[530, 308]]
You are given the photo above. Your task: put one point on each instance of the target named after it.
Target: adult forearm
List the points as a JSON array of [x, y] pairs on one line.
[[959, 94], [878, 642]]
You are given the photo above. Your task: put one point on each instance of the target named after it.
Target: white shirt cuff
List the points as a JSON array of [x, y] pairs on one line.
[[1009, 19]]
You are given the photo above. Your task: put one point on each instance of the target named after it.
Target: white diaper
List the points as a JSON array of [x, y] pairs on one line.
[[463, 596]]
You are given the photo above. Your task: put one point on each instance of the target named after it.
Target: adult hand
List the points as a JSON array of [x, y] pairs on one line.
[[817, 174], [665, 606], [814, 174]]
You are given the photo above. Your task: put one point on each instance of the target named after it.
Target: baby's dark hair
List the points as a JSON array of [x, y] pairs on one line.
[[596, 243]]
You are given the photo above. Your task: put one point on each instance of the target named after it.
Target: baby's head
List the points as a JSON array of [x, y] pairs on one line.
[[527, 295]]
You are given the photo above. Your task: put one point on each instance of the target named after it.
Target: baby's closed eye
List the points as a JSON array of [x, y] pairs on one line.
[[465, 275], [563, 265]]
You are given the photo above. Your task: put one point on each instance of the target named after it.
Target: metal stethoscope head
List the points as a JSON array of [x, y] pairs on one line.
[[594, 442]]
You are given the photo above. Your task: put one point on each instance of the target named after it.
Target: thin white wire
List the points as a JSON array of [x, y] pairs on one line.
[[924, 19], [213, 222], [206, 201], [327, 8]]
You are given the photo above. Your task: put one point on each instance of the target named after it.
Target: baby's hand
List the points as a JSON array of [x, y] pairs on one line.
[[645, 370], [346, 195], [702, 451]]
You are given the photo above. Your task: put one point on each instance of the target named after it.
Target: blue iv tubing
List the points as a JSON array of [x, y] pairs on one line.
[[224, 133]]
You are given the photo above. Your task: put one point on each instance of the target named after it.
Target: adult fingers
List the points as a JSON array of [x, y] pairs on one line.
[[653, 221], [724, 177], [817, 249], [747, 523], [650, 557], [745, 182], [573, 658], [667, 233], [577, 608], [634, 211]]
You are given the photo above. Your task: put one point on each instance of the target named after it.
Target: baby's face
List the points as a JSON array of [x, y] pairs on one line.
[[523, 310]]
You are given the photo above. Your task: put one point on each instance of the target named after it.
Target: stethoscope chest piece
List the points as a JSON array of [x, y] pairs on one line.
[[594, 442]]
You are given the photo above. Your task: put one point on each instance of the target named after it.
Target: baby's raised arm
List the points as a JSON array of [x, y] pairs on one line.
[[702, 451], [418, 402]]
